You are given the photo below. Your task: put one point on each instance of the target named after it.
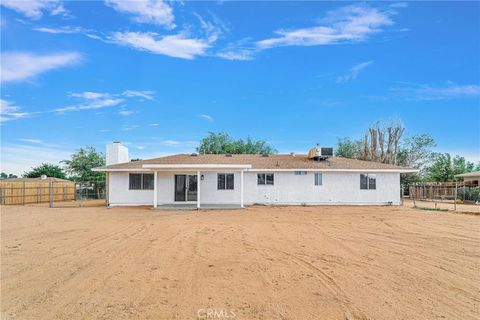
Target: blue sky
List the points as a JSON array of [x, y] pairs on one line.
[[160, 75]]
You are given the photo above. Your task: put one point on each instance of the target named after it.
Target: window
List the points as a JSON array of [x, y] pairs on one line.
[[147, 182], [318, 179], [265, 178], [141, 181], [225, 181], [368, 181], [300, 173]]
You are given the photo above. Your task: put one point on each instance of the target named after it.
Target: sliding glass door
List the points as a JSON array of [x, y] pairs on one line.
[[185, 187]]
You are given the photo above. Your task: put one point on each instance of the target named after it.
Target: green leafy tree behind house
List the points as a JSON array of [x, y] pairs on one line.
[[82, 162], [48, 169], [220, 143], [445, 167]]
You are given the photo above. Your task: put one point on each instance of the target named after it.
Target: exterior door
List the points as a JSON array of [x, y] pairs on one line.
[[192, 188], [185, 187]]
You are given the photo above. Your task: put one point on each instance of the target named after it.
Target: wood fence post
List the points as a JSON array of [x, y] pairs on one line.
[[50, 187], [455, 197]]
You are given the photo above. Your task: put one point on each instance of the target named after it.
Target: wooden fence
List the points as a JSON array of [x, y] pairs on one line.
[[27, 192], [459, 191]]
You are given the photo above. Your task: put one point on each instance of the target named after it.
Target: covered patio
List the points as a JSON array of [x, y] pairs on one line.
[[189, 206], [191, 178]]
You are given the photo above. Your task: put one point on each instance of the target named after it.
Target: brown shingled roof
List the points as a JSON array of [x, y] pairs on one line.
[[273, 161]]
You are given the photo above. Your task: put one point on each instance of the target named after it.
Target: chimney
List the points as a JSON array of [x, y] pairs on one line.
[[116, 153]]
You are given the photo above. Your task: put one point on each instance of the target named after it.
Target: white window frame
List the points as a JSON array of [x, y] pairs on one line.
[[369, 176], [300, 173], [265, 179], [141, 181], [318, 174], [225, 186]]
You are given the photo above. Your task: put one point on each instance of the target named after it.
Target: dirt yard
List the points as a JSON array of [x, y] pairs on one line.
[[257, 263]]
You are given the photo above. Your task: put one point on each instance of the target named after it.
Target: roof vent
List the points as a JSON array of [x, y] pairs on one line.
[[265, 155], [292, 154], [194, 154], [43, 177], [228, 155]]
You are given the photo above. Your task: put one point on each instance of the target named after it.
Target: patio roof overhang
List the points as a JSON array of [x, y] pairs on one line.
[[196, 167]]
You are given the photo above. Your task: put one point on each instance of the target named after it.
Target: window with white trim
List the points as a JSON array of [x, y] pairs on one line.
[[225, 181], [368, 181], [300, 173], [318, 179], [265, 179], [140, 181]]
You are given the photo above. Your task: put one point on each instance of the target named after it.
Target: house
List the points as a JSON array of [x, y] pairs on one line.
[[471, 178], [208, 180]]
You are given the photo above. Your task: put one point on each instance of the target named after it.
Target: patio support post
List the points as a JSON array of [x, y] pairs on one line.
[[241, 188], [199, 183], [155, 181]]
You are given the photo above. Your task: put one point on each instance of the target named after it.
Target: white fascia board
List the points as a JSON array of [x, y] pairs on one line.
[[120, 170], [338, 170], [197, 166]]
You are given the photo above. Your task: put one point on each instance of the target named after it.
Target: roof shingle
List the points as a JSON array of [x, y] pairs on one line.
[[273, 161]]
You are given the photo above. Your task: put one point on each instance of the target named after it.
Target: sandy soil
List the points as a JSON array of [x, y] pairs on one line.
[[257, 263], [448, 205]]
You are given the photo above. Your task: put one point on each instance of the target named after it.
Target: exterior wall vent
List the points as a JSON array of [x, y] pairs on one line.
[[228, 155]]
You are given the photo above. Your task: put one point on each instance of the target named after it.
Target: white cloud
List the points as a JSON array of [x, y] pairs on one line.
[[19, 66], [125, 113], [35, 9], [18, 158], [154, 124], [178, 46], [146, 94], [206, 117], [60, 30], [90, 105], [240, 54], [10, 111], [428, 92], [345, 25], [35, 141], [90, 95], [354, 72], [129, 127], [146, 11], [170, 142]]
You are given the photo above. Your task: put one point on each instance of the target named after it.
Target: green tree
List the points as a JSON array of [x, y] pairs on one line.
[[416, 152], [4, 175], [444, 167], [348, 148], [220, 143], [48, 169], [82, 162]]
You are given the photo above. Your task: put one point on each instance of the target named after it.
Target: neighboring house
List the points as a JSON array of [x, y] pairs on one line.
[[206, 180], [470, 177]]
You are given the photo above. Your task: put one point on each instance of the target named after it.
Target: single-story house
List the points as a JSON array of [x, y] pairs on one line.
[[470, 177], [208, 180]]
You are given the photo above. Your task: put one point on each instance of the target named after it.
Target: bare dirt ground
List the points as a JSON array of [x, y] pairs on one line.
[[444, 205], [257, 263]]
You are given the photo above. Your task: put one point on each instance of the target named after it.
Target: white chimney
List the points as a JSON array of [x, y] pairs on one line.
[[116, 153]]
